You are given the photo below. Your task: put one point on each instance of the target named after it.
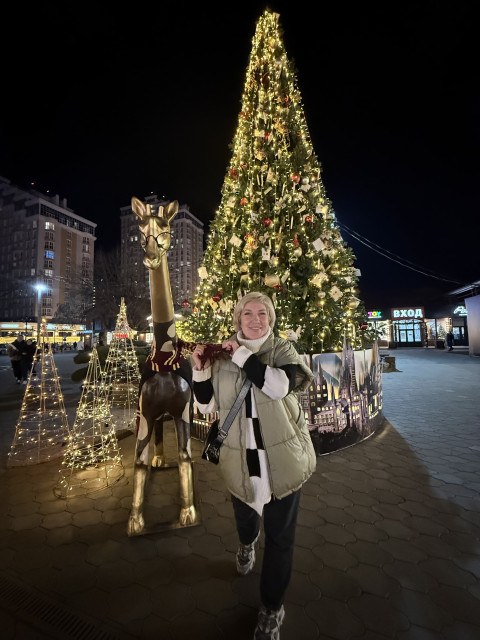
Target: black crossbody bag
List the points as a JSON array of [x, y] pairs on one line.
[[215, 435]]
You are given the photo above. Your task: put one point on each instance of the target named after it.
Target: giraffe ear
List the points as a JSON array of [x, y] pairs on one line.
[[139, 209], [171, 211]]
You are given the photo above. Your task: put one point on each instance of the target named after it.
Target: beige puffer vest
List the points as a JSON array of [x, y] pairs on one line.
[[290, 453]]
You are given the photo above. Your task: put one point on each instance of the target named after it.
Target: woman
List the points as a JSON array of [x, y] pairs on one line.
[[268, 453]]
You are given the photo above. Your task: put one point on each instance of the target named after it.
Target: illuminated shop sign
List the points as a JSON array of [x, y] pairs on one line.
[[460, 310], [374, 315], [408, 312]]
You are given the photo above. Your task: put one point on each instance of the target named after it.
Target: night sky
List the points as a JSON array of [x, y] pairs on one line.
[[99, 105]]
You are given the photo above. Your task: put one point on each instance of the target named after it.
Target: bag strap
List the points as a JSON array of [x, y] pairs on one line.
[[223, 431]]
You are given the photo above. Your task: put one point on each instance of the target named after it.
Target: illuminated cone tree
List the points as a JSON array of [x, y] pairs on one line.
[[275, 229], [121, 375], [42, 428], [92, 460]]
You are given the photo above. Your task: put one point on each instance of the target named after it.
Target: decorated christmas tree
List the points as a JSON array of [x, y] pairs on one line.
[[42, 428], [91, 460], [275, 230], [121, 376]]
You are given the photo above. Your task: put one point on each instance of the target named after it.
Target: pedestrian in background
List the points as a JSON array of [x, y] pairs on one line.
[[27, 359], [14, 355], [449, 339]]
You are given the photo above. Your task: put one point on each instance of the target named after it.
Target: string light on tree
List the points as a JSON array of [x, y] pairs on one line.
[[275, 230], [122, 376], [92, 460], [42, 429]]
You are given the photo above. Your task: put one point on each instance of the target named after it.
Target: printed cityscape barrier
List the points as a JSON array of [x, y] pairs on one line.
[[344, 404]]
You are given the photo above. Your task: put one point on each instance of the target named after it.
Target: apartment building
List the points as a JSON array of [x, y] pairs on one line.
[[46, 254]]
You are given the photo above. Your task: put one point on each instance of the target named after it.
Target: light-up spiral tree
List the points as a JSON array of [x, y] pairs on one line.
[[42, 429], [92, 460], [275, 229], [121, 373]]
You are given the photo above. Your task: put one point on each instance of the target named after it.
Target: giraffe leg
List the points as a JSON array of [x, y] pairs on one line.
[[158, 459], [188, 512], [136, 522]]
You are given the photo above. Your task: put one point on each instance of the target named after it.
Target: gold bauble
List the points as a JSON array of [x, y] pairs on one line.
[[272, 280]]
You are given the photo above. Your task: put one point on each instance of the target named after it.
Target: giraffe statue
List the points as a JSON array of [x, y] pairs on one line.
[[162, 390]]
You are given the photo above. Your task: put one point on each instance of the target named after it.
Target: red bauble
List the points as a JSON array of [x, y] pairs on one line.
[[363, 326], [308, 218], [295, 178], [216, 297], [234, 173], [185, 303], [266, 222], [296, 241], [195, 310], [243, 201]]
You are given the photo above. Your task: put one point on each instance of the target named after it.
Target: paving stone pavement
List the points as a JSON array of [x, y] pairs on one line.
[[387, 546]]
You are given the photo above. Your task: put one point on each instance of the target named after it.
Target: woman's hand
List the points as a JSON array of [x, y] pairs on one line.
[[230, 346], [196, 355]]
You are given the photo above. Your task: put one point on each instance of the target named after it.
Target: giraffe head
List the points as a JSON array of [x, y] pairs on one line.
[[155, 235]]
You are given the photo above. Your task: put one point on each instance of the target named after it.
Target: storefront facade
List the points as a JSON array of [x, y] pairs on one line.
[[408, 326]]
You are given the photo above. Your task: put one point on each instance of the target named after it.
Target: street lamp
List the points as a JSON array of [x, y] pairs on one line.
[[39, 287]]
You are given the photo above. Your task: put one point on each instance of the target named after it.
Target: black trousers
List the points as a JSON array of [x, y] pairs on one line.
[[279, 522]]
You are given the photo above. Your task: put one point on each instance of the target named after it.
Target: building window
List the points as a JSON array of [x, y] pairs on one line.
[[49, 225]]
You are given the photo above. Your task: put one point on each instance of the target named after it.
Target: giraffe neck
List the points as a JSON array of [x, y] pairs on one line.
[[164, 335]]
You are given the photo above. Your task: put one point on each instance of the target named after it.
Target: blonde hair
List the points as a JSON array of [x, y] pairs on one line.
[[254, 296]]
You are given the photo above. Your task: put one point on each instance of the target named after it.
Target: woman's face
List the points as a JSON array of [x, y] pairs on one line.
[[254, 320]]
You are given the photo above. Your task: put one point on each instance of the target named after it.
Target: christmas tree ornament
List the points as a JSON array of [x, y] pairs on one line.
[[185, 304], [266, 222], [335, 293], [308, 218], [318, 244], [272, 280]]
